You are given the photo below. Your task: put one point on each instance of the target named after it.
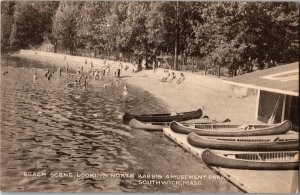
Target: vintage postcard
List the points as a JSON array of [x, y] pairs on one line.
[[149, 96]]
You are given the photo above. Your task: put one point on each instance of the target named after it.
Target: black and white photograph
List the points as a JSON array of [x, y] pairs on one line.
[[149, 96]]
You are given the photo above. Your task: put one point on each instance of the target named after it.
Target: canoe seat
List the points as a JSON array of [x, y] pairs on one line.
[[274, 139], [244, 127], [259, 157]]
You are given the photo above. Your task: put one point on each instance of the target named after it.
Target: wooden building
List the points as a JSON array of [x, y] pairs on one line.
[[277, 93]]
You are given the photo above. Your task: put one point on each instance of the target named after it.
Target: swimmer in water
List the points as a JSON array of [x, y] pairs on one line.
[[47, 73], [35, 75], [59, 71], [106, 85], [117, 82], [125, 90], [72, 84], [85, 81], [78, 71]]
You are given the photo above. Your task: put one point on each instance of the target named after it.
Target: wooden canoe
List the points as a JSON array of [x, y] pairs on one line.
[[244, 143], [232, 130], [167, 117], [158, 126], [287, 160]]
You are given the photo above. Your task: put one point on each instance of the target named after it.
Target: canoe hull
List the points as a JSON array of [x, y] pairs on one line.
[[211, 159], [168, 117], [257, 144], [272, 130], [159, 126], [146, 126]]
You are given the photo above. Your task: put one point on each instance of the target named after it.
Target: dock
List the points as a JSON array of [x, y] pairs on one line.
[[250, 181]]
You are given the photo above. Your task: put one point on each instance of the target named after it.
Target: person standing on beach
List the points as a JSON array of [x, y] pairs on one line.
[[119, 69], [92, 66], [85, 81], [103, 73], [108, 69]]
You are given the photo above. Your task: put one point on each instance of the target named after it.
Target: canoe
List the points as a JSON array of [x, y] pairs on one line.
[[232, 130], [244, 143], [287, 160], [158, 126], [167, 117]]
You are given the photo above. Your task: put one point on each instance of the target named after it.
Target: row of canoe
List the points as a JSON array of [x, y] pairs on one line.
[[260, 147]]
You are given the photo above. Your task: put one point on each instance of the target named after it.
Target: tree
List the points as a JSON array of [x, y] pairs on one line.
[[7, 12], [25, 30], [135, 27], [90, 25], [47, 10], [235, 34], [64, 25], [155, 27], [114, 36]]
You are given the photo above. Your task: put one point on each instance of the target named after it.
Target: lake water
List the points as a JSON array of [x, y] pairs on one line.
[[76, 137]]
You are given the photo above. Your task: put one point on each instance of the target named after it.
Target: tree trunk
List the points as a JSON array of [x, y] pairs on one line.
[[55, 46], [146, 54], [219, 71], [176, 39]]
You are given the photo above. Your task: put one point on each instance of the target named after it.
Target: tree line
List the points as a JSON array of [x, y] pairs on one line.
[[222, 34]]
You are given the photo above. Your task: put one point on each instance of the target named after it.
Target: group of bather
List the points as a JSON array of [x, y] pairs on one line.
[[171, 77], [81, 78]]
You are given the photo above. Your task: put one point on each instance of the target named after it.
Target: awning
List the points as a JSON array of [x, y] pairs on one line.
[[282, 79]]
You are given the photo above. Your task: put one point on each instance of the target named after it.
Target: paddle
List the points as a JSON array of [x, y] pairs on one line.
[[272, 117]]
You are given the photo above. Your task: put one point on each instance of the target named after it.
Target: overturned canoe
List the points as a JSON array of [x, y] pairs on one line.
[[158, 126], [167, 117], [288, 160], [244, 143], [232, 130]]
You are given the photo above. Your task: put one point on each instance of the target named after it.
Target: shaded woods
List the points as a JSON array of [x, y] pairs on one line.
[[232, 35]]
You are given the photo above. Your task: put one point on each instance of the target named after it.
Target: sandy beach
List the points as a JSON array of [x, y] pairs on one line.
[[216, 98]]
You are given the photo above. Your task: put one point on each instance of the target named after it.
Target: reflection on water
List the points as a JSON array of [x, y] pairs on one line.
[[48, 127]]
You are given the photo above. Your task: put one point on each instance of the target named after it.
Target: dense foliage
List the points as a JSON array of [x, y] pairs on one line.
[[222, 34]]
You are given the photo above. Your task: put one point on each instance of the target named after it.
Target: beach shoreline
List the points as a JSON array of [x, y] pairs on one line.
[[216, 98]]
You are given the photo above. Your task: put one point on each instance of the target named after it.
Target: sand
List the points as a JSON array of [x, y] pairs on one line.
[[216, 98]]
